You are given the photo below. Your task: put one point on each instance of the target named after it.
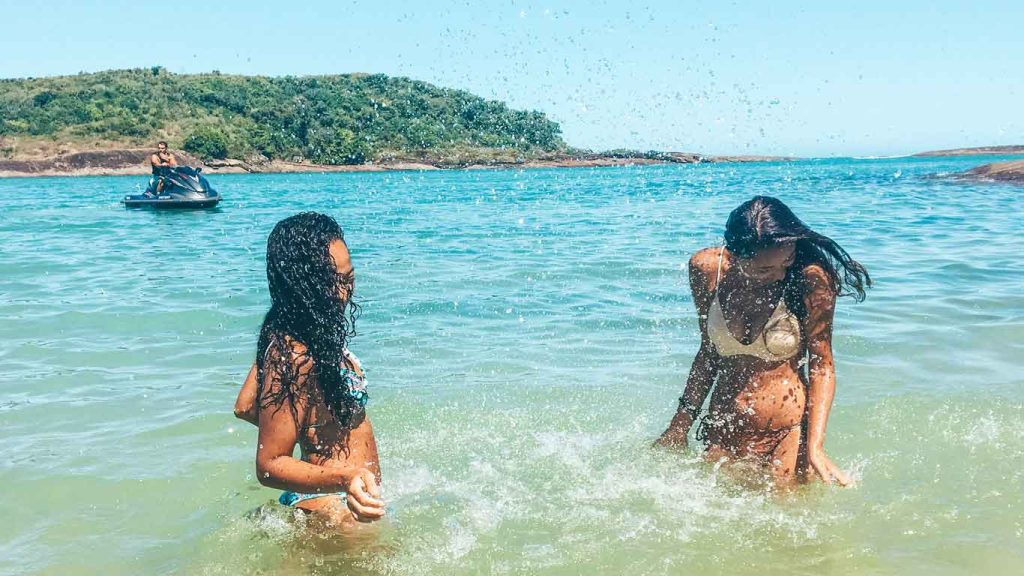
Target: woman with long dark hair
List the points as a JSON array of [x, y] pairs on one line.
[[305, 387], [765, 303]]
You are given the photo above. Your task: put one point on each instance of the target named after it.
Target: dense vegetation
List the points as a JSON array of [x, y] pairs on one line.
[[343, 119]]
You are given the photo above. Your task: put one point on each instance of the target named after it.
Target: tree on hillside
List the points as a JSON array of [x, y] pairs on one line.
[[207, 143]]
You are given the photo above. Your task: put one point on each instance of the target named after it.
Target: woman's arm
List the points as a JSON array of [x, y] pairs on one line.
[[277, 468], [245, 405], [705, 365], [820, 300], [698, 384]]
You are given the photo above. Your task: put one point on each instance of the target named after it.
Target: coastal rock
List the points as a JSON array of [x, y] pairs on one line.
[[228, 165], [1012, 171], [115, 162]]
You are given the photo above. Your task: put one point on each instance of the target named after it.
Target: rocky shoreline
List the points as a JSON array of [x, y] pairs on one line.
[[1012, 171], [133, 162], [980, 151]]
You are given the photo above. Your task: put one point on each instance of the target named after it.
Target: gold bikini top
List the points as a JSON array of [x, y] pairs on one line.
[[779, 339]]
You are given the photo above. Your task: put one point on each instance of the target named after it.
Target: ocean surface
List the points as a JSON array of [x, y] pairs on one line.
[[526, 335]]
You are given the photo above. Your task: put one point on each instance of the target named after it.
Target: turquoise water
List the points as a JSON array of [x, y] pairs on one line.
[[526, 334]]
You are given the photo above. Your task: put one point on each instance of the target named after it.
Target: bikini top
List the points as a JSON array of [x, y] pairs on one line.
[[779, 339], [355, 381]]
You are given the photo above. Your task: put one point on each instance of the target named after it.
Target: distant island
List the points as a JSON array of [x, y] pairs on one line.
[[108, 122], [979, 151]]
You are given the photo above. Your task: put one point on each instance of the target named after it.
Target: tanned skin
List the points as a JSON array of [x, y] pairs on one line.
[[162, 158], [766, 403], [354, 465]]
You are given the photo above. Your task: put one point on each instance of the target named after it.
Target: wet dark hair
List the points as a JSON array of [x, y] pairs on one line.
[[307, 311], [763, 222], [162, 142]]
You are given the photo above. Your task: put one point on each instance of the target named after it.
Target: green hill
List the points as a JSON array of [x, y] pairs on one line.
[[339, 119]]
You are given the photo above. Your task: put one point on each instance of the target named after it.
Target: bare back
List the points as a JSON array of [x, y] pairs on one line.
[[321, 439]]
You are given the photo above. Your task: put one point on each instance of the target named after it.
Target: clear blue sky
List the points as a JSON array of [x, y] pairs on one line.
[[781, 77]]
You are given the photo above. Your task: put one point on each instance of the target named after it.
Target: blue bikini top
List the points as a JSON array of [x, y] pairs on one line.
[[355, 381]]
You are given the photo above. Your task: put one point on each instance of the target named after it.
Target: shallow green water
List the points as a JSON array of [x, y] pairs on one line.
[[525, 335]]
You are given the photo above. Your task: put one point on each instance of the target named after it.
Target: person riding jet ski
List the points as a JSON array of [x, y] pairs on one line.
[[173, 186], [161, 161]]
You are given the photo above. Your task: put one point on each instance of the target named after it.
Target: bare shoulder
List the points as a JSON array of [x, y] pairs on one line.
[[817, 280], [704, 267], [285, 365], [297, 348], [287, 351], [705, 260], [819, 298], [300, 358], [703, 275]]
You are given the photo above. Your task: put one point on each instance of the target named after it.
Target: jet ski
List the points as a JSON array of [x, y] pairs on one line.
[[184, 187]]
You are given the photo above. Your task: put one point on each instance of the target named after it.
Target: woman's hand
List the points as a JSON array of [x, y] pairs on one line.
[[674, 438], [364, 496], [826, 469]]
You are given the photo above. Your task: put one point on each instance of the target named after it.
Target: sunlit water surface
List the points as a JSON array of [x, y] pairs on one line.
[[526, 334]]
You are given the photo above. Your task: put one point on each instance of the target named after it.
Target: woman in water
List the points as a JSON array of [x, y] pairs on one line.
[[764, 304], [305, 387]]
